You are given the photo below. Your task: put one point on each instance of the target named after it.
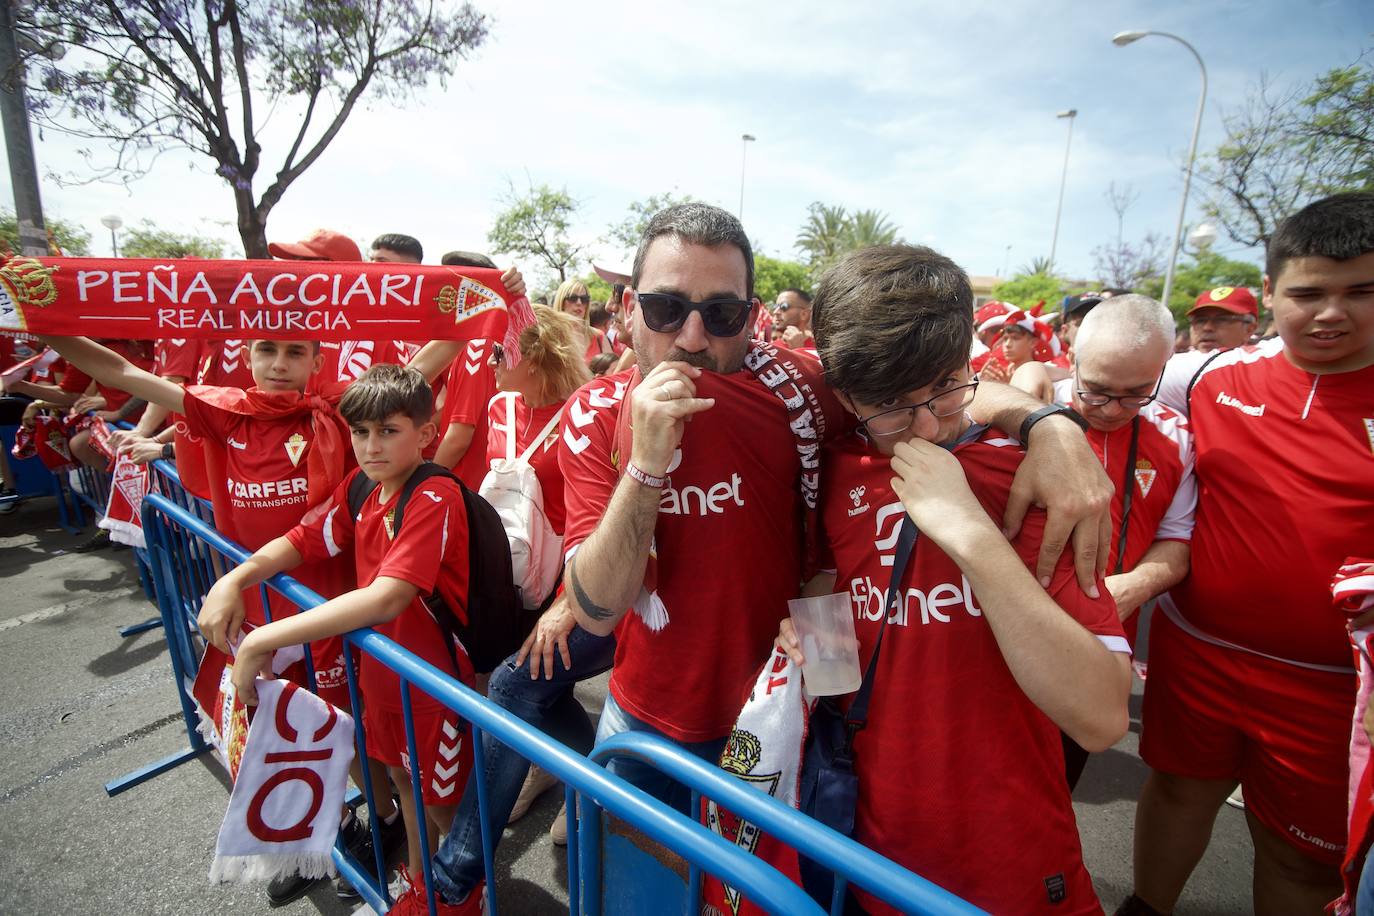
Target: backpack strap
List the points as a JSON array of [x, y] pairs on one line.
[[857, 716], [359, 489], [424, 472], [539, 439]]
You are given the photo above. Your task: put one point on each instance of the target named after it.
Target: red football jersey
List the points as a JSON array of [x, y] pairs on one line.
[[727, 544], [135, 351], [345, 362], [178, 357], [1165, 488], [1285, 469], [526, 423], [225, 364], [430, 550], [946, 713], [471, 384]]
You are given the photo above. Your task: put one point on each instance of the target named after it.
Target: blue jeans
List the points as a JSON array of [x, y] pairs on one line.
[[548, 705], [1364, 894], [615, 720]]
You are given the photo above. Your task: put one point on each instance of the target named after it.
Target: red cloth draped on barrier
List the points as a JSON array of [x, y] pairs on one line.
[[144, 298]]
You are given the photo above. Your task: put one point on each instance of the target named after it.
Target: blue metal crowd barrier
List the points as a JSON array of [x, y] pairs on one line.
[[186, 554]]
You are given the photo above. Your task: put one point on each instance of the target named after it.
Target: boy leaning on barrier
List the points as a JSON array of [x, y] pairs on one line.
[[280, 451], [961, 771], [389, 411]]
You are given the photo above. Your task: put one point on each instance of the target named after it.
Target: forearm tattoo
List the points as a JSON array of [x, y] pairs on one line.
[[589, 607]]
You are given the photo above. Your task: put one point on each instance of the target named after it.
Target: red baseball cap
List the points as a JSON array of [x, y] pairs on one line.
[[320, 245], [1235, 299], [991, 309]]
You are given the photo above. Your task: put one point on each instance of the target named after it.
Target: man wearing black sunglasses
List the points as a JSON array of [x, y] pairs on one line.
[[687, 506]]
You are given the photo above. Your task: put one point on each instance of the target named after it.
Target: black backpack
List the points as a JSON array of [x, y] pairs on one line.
[[497, 620]]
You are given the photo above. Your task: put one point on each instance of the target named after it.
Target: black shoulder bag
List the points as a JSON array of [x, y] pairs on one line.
[[829, 785]]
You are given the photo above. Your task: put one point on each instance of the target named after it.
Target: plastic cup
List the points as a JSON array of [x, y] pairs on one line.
[[825, 629]]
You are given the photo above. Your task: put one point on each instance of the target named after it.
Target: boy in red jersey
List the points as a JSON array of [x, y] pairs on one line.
[[1252, 680], [276, 450], [979, 664], [389, 412]]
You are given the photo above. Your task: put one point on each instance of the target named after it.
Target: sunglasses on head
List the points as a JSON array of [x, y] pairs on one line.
[[578, 297], [498, 355], [667, 313]]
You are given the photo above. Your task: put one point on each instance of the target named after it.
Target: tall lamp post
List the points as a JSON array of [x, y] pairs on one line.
[[745, 140], [1063, 180], [1121, 39], [112, 223]]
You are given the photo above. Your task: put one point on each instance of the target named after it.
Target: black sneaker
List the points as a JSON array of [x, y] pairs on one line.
[[393, 839], [9, 500], [99, 541], [285, 889]]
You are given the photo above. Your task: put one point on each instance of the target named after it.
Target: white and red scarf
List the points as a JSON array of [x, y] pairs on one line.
[[123, 513], [1352, 590], [764, 751], [284, 811]]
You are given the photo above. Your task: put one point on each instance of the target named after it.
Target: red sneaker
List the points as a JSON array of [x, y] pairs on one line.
[[414, 903]]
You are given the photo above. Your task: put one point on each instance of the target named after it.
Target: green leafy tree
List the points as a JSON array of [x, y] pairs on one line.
[[824, 235], [773, 275], [1208, 270], [148, 241], [1029, 287], [68, 237], [870, 227], [830, 232], [142, 77], [627, 233], [536, 225], [1286, 148]]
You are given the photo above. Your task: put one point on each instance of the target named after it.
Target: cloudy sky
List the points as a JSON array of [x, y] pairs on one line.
[[940, 114]]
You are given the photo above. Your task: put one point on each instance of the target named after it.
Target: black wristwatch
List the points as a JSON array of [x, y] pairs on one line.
[[1049, 411], [169, 451]]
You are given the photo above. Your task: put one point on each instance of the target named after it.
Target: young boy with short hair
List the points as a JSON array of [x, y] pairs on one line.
[[389, 411], [980, 666], [274, 451]]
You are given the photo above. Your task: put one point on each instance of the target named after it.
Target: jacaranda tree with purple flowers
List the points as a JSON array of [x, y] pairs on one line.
[[140, 77]]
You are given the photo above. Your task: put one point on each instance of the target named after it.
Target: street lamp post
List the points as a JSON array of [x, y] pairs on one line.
[[1063, 180], [112, 222], [1121, 39], [745, 140]]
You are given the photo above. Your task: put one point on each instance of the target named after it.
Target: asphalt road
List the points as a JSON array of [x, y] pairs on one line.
[[80, 706]]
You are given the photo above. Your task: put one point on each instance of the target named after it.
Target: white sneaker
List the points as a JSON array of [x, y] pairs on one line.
[[537, 782], [558, 832], [1236, 799]]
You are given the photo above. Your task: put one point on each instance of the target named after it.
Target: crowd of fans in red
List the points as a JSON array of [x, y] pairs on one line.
[[704, 458]]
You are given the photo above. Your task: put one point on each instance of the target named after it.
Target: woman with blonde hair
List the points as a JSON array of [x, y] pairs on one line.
[[573, 299]]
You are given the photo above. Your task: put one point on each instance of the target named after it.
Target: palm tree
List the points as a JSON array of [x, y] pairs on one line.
[[870, 227], [824, 234], [1039, 265]]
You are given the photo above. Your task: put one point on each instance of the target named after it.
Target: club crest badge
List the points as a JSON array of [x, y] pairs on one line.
[[389, 523], [24, 282], [742, 753], [1145, 474], [1220, 293], [1369, 431], [295, 448], [469, 298]]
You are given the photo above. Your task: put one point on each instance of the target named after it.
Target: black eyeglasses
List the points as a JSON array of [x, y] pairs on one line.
[[1127, 401], [498, 355], [578, 297], [666, 313], [898, 419]]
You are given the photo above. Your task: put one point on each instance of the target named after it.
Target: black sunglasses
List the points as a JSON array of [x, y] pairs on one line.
[[578, 297], [666, 313]]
